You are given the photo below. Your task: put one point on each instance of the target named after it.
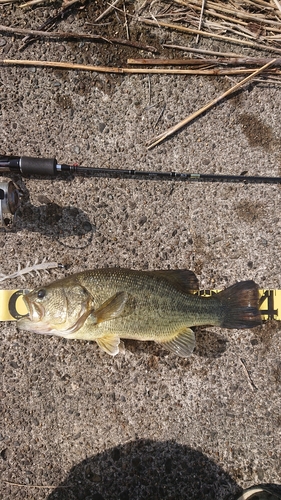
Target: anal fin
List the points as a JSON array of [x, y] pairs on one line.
[[182, 344], [109, 343]]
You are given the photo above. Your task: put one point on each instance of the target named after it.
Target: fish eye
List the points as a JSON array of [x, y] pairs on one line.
[[41, 293]]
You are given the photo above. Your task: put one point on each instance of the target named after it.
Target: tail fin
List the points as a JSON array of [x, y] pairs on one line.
[[241, 305]]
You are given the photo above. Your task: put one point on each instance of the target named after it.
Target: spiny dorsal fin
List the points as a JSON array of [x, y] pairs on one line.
[[182, 344], [111, 308], [183, 280]]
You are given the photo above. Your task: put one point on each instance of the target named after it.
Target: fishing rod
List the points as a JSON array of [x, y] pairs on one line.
[[50, 167]]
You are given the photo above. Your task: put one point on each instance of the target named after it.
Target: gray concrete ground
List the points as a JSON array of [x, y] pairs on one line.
[[144, 424]]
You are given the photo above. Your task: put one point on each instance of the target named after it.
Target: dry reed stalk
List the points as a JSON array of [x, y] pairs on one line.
[[192, 31], [31, 3], [131, 71], [202, 51], [108, 10], [200, 19], [278, 5], [199, 112], [264, 23], [273, 24], [239, 61], [37, 486], [219, 7]]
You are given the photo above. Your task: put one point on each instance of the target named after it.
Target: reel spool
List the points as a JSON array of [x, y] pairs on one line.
[[9, 199]]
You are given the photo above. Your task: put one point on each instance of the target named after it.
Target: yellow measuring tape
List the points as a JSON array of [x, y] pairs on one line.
[[12, 306]]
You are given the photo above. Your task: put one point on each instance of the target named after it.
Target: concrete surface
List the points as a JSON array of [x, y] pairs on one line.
[[77, 424]]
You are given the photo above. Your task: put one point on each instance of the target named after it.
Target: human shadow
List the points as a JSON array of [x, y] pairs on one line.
[[147, 470]]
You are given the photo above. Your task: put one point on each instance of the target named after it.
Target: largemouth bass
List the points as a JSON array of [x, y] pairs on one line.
[[106, 305]]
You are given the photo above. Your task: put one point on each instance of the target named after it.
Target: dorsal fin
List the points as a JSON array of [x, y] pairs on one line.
[[183, 280]]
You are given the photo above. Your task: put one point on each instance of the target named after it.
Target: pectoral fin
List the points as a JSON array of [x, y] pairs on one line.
[[109, 343], [112, 308], [182, 344]]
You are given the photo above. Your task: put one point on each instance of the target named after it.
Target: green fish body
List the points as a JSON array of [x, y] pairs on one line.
[[106, 305]]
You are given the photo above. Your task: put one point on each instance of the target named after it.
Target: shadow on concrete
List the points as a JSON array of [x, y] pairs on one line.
[[53, 220], [147, 470], [209, 343]]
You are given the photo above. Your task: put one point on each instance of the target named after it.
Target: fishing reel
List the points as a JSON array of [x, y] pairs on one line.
[[9, 199]]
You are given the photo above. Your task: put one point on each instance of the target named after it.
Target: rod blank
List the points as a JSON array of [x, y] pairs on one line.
[[49, 167]]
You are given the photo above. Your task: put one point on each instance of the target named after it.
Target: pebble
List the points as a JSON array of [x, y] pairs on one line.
[[2, 42], [142, 220], [102, 126]]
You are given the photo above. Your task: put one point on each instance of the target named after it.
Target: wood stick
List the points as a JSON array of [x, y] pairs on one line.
[[191, 117], [211, 35]]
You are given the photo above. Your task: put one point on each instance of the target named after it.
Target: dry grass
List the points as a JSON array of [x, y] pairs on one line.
[[252, 24]]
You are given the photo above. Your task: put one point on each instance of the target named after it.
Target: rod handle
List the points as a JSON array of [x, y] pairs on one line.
[[38, 166]]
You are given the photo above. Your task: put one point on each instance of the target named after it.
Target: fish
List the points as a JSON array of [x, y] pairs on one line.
[[109, 304]]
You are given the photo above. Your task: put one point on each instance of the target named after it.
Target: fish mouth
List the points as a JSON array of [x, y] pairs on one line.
[[35, 311]]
